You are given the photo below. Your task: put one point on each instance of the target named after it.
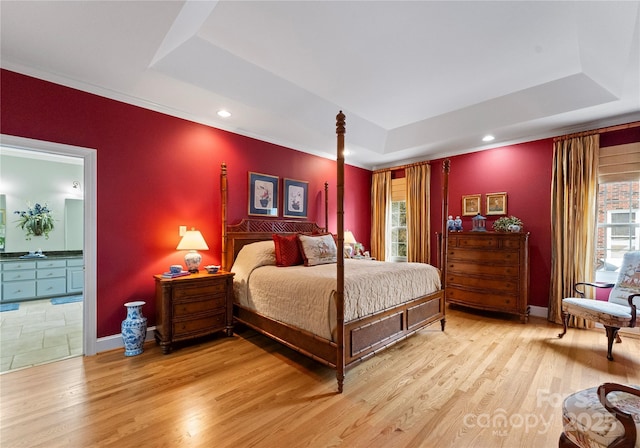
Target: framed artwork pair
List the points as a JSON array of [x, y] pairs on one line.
[[496, 204], [264, 196]]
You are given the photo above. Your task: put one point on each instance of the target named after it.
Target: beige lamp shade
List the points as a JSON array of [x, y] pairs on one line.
[[349, 242], [192, 240], [349, 238]]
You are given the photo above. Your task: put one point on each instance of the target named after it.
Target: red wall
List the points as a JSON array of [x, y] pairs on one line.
[[524, 172], [156, 172]]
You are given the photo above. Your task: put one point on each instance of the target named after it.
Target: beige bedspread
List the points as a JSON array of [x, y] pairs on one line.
[[305, 296]]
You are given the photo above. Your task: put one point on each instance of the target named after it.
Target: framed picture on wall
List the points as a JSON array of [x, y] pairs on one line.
[[470, 204], [295, 198], [263, 194], [497, 203]]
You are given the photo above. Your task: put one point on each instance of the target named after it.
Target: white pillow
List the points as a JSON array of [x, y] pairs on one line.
[[250, 257], [318, 249]]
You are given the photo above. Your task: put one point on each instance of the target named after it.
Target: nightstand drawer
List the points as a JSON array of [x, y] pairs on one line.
[[190, 307], [205, 325], [207, 289]]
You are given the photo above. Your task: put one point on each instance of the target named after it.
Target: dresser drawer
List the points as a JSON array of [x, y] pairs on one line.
[[199, 289], [503, 256], [50, 287], [498, 302], [18, 290], [10, 276], [192, 327], [476, 241], [506, 285], [203, 305], [51, 273], [52, 264], [463, 268]]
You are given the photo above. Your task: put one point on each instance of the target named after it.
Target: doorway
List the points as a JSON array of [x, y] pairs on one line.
[[89, 243]]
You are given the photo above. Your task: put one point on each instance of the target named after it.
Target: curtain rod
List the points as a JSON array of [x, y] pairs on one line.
[[618, 127], [401, 167]]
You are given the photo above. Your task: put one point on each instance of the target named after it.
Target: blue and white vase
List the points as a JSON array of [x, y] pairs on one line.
[[134, 329]]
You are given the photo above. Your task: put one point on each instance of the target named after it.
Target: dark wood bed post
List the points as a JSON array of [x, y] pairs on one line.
[[223, 208], [446, 164], [326, 206], [340, 363]]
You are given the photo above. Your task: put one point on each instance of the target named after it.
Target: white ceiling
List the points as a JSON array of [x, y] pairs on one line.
[[417, 80]]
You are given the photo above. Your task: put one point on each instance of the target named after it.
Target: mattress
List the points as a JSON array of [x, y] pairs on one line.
[[304, 296]]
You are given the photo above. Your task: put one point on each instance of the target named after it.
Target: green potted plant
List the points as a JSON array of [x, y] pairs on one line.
[[35, 221], [507, 224]]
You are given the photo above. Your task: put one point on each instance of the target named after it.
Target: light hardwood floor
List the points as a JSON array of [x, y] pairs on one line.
[[484, 382]]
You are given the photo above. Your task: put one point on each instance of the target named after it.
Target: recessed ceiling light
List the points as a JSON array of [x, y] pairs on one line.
[[224, 113], [488, 138]]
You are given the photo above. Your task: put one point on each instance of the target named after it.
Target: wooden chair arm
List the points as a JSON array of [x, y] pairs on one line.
[[594, 284], [628, 440], [633, 309]]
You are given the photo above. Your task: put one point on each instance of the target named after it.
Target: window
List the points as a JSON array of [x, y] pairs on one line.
[[618, 229], [399, 230], [397, 219]]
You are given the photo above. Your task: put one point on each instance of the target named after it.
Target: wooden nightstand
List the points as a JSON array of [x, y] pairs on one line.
[[193, 306]]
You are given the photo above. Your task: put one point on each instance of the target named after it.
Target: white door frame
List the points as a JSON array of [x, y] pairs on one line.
[[90, 327]]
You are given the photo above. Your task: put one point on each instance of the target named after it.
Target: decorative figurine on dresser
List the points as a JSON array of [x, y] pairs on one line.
[[193, 305], [451, 224], [458, 224], [489, 271]]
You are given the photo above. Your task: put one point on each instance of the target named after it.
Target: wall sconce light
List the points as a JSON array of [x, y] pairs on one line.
[[192, 240]]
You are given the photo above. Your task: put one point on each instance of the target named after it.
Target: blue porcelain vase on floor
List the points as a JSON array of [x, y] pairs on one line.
[[134, 329]]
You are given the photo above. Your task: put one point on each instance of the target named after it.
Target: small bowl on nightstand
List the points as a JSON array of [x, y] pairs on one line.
[[212, 268]]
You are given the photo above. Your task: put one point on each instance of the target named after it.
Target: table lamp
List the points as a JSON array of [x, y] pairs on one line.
[[349, 243], [192, 241]]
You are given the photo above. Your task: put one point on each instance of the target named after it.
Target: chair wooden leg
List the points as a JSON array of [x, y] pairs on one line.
[[612, 333], [565, 321]]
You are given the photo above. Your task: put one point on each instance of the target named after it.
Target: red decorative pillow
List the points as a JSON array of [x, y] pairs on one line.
[[287, 250]]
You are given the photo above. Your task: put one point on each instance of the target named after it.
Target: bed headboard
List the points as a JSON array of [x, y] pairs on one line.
[[249, 231]]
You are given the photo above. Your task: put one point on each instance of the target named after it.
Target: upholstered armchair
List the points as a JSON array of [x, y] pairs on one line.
[[621, 308], [606, 416]]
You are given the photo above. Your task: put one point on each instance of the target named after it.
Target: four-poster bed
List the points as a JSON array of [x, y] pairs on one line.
[[341, 342]]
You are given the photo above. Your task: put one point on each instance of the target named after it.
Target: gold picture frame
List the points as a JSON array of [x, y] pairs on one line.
[[496, 203], [470, 204]]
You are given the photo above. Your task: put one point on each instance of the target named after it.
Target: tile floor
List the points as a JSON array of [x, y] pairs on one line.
[[39, 332]]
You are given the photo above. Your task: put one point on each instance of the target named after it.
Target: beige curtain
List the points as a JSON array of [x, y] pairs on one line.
[[418, 200], [380, 198], [574, 191]]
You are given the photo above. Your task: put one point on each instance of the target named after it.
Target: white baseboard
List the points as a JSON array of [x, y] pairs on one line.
[[538, 311], [114, 341]]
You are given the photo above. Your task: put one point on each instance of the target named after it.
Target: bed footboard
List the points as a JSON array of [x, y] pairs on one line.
[[367, 336], [363, 337]]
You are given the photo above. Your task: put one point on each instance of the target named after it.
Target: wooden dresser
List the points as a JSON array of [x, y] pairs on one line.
[[192, 306], [488, 271]]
